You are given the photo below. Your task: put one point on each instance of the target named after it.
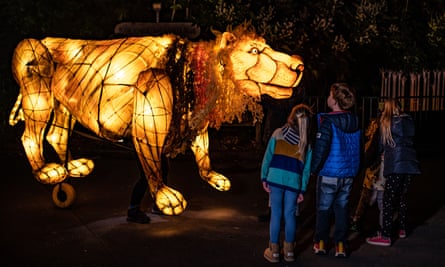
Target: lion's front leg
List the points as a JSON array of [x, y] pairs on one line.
[[153, 103], [200, 148], [58, 136]]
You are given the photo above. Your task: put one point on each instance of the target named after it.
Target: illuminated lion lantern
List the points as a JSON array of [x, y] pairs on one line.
[[161, 92]]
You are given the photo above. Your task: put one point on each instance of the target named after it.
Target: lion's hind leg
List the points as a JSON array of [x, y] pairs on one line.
[[36, 119], [33, 69]]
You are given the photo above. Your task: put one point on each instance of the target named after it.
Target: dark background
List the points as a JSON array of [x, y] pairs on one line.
[[339, 40]]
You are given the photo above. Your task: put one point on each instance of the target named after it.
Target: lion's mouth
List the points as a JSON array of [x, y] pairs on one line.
[[275, 91], [256, 89]]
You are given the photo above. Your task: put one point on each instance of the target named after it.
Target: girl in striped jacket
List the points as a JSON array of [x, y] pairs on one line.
[[285, 173]]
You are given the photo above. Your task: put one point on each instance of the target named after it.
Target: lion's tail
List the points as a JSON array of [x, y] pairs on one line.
[[16, 114]]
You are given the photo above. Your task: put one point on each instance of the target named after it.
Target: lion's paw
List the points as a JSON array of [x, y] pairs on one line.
[[51, 173], [80, 167], [218, 181], [170, 201]]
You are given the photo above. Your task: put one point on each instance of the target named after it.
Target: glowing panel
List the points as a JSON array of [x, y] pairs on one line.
[[162, 92]]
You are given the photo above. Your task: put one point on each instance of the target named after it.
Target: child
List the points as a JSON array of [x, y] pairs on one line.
[[397, 131], [335, 162], [372, 191], [371, 163], [285, 174]]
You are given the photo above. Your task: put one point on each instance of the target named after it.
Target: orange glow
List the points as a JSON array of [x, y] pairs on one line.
[[162, 92]]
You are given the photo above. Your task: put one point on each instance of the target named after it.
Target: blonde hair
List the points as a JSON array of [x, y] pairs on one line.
[[391, 108], [299, 120]]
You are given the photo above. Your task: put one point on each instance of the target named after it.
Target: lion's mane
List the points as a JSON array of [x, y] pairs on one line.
[[204, 91]]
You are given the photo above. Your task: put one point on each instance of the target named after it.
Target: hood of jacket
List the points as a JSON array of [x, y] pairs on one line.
[[343, 120]]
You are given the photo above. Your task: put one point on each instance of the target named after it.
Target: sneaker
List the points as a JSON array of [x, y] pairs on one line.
[[340, 251], [402, 233], [379, 240], [137, 216], [319, 248]]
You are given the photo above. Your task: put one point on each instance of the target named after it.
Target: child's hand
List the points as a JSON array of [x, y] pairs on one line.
[[266, 187], [300, 198]]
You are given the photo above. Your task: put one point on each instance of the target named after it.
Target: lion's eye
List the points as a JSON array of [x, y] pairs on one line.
[[254, 51]]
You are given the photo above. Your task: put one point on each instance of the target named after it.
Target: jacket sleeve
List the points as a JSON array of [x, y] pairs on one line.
[[306, 171], [267, 158], [322, 146]]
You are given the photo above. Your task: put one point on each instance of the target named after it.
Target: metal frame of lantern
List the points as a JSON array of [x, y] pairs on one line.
[[162, 92]]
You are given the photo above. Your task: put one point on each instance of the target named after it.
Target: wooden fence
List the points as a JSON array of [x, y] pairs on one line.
[[423, 91]]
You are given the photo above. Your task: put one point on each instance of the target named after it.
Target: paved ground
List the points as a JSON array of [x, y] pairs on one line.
[[217, 229]]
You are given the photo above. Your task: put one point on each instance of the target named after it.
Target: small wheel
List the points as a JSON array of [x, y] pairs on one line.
[[63, 195]]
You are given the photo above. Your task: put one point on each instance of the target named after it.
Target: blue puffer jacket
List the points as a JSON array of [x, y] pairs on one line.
[[338, 145], [401, 159]]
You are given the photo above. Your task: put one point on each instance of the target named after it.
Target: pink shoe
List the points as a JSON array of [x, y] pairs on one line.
[[379, 240], [402, 233]]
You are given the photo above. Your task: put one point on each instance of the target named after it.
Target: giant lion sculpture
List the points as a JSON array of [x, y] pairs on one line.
[[161, 92]]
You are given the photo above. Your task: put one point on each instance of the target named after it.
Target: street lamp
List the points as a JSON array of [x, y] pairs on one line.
[[157, 7]]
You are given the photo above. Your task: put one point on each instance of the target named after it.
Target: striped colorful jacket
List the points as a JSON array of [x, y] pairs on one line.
[[283, 166]]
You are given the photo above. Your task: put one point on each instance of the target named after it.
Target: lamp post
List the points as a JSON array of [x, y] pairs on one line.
[[157, 7]]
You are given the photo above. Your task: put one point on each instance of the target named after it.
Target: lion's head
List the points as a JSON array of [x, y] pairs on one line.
[[245, 68], [258, 69]]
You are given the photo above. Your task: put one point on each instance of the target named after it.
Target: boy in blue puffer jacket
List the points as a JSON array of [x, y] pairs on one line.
[[335, 162]]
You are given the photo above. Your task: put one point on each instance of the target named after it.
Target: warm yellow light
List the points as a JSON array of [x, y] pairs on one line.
[[73, 52], [120, 74], [30, 144], [200, 149], [162, 92], [52, 173], [52, 138], [123, 68], [170, 201], [80, 167]]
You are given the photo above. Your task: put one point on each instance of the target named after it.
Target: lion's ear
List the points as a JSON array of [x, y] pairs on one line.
[[227, 39]]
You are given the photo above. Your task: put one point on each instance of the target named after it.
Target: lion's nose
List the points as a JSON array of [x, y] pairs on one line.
[[300, 68], [297, 63], [297, 67]]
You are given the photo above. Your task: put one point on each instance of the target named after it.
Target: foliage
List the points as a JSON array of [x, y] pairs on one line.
[[345, 40], [338, 39]]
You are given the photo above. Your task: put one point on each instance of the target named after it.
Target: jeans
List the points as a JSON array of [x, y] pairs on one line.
[[283, 203], [332, 196]]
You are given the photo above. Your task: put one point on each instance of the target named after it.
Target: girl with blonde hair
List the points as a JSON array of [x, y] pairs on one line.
[[397, 131], [285, 173]]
